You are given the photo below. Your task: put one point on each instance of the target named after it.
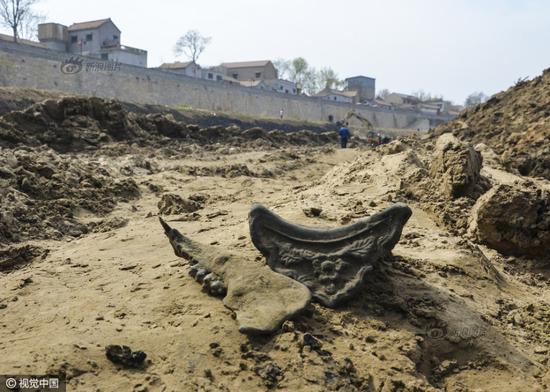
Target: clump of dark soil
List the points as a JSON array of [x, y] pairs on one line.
[[42, 191], [172, 204], [80, 124], [125, 356], [15, 257], [68, 124], [226, 171]]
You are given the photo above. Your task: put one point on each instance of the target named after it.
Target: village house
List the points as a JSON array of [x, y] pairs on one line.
[[282, 86], [380, 103], [398, 99], [194, 70], [187, 68], [98, 38], [337, 95], [215, 74], [364, 85], [259, 74], [438, 106], [278, 85], [251, 70]]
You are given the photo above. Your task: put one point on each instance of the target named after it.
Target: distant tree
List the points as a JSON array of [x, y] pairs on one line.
[[306, 77], [383, 94], [329, 79], [424, 96], [475, 98], [311, 83], [298, 69], [29, 29], [192, 44], [283, 68], [300, 73], [308, 80], [18, 16]]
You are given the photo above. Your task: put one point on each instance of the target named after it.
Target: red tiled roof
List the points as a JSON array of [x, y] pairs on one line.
[[93, 24]]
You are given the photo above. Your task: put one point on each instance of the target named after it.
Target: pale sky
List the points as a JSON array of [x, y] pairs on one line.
[[447, 47]]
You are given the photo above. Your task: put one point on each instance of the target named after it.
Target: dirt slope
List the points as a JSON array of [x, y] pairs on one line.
[[514, 123]]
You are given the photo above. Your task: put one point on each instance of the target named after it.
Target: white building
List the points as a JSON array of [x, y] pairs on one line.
[[97, 38], [187, 68], [337, 95]]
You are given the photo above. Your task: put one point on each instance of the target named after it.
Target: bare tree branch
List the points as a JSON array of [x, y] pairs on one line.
[[18, 16], [192, 44]]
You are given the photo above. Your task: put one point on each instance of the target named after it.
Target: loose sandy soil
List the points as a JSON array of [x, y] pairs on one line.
[[443, 314]]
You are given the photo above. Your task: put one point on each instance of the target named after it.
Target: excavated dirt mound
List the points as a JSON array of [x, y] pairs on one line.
[[41, 191], [515, 123], [79, 124], [445, 177], [68, 124]]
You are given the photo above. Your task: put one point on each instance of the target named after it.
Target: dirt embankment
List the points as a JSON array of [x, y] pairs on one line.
[[514, 123], [77, 124], [52, 164], [21, 98]]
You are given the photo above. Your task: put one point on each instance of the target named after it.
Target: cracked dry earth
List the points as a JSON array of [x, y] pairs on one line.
[[441, 315]]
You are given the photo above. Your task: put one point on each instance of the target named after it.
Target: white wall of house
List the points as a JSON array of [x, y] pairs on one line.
[[267, 72], [126, 57], [93, 39], [193, 70], [338, 98], [282, 86]]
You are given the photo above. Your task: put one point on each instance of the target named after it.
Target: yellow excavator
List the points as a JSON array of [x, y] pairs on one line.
[[363, 128], [364, 122]]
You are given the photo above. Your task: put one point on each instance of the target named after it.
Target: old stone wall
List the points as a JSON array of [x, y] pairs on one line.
[[24, 66]]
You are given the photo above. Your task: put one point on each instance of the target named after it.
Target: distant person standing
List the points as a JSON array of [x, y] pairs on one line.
[[281, 113], [344, 135]]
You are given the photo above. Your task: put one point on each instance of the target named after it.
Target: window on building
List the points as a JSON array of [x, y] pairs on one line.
[[235, 76], [330, 118], [218, 78], [335, 98], [286, 91], [115, 37], [104, 56], [258, 75], [281, 87], [74, 39], [210, 75], [89, 37]]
